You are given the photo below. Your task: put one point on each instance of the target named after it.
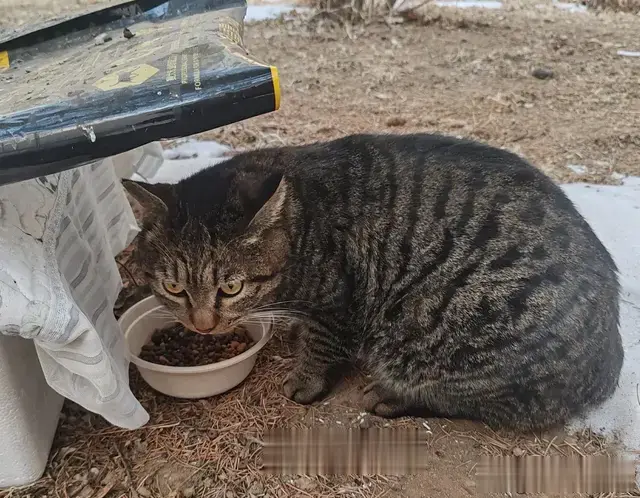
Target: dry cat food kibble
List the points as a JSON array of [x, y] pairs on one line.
[[178, 347]]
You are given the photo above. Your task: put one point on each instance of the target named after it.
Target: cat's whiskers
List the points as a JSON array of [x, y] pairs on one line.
[[260, 320], [279, 303], [162, 314], [273, 315], [275, 310], [287, 313]]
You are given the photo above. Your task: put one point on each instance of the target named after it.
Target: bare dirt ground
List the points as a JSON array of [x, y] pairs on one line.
[[463, 72], [15, 13], [466, 73], [212, 447]]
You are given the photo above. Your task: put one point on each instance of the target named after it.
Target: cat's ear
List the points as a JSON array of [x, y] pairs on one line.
[[266, 197], [154, 199]]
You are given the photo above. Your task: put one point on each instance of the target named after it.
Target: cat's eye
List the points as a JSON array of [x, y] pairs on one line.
[[231, 288], [173, 288]]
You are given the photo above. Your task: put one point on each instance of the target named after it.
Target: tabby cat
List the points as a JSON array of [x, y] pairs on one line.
[[460, 276]]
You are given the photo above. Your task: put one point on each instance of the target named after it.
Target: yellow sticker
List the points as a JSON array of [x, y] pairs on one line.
[[4, 60], [130, 76]]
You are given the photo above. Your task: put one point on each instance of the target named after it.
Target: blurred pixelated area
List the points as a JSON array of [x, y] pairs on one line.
[[559, 475], [331, 451], [360, 451], [460, 71]]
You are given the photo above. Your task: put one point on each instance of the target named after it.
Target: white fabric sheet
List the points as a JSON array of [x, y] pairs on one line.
[[59, 280]]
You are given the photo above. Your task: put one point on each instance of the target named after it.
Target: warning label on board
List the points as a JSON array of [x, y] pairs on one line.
[[131, 76]]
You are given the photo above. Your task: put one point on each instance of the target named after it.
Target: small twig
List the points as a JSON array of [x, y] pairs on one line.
[[546, 451], [105, 490], [576, 449], [132, 485], [557, 448], [112, 432]]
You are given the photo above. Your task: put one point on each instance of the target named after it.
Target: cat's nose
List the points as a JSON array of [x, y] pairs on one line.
[[204, 321]]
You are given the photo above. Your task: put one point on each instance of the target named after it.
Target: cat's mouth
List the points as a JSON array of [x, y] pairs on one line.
[[219, 329], [216, 331]]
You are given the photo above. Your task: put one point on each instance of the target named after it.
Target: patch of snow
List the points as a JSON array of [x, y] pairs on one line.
[[187, 158], [137, 178], [614, 214], [465, 4], [570, 7], [619, 176], [578, 169], [404, 5], [257, 13], [628, 53], [191, 148], [160, 11]]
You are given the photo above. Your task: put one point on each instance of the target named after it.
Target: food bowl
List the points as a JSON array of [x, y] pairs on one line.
[[140, 321]]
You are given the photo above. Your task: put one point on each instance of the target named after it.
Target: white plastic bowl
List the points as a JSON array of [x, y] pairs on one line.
[[138, 324]]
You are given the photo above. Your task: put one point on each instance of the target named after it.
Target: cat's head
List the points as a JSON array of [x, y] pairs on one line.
[[214, 245]]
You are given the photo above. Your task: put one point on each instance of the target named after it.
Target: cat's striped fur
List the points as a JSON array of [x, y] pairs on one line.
[[460, 276]]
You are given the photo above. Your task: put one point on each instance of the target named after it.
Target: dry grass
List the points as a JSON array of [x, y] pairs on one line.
[[464, 73], [461, 72], [212, 447], [632, 6], [204, 448]]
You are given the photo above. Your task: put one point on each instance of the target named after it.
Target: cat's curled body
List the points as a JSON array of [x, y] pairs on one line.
[[462, 278]]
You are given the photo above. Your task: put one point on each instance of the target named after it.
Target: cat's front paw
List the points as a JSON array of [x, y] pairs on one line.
[[304, 388], [381, 402]]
